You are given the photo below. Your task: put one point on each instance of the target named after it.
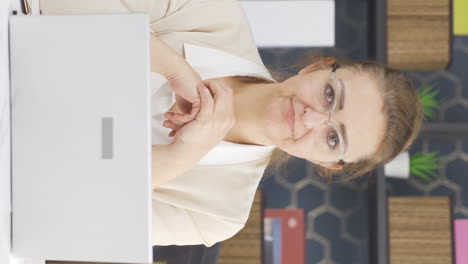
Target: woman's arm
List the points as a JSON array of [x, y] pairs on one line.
[[193, 140], [164, 60], [167, 164], [182, 78], [169, 161]]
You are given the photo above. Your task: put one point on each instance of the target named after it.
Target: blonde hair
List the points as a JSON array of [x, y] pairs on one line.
[[402, 110]]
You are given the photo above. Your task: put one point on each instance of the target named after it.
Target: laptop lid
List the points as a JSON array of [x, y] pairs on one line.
[[81, 146]]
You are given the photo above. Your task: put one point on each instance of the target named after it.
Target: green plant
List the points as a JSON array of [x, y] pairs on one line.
[[430, 104], [424, 165]]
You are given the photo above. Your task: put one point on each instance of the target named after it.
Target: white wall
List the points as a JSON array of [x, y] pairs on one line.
[[291, 23]]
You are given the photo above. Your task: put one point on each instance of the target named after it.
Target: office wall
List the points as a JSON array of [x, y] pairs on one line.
[[336, 214]]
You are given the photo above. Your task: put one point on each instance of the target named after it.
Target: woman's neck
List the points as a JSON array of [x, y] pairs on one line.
[[249, 94], [249, 97]]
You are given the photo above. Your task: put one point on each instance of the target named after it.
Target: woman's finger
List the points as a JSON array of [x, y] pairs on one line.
[[179, 119], [206, 107], [196, 106], [170, 124], [168, 114], [213, 87], [172, 133], [173, 117]]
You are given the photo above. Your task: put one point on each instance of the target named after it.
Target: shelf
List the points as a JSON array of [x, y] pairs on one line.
[[378, 30], [443, 130], [378, 221]]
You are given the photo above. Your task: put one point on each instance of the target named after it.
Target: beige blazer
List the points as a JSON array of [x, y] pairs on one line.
[[210, 203], [219, 24]]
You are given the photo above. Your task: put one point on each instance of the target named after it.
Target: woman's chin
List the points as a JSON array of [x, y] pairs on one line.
[[278, 129], [274, 122]]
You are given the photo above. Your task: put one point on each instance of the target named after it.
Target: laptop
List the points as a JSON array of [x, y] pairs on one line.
[[80, 137]]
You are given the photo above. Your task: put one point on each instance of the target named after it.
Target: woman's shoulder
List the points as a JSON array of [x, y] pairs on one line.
[[218, 24]]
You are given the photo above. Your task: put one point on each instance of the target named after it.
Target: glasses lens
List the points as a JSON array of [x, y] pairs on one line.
[[329, 95], [331, 141]]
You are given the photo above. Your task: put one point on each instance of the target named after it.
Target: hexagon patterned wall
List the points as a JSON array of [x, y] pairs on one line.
[[336, 224]]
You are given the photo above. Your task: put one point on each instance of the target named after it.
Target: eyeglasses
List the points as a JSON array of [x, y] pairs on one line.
[[329, 106]]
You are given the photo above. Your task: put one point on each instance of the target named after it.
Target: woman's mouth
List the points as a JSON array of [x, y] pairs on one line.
[[291, 119]]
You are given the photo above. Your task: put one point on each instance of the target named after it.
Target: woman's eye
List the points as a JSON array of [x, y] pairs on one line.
[[329, 93], [332, 139]]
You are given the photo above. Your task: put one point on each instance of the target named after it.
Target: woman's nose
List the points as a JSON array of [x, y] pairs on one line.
[[313, 118]]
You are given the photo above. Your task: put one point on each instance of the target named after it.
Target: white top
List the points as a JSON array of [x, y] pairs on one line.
[[208, 63], [212, 201]]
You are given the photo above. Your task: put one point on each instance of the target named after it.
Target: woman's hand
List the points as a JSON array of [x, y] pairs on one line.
[[182, 78], [184, 84], [214, 120]]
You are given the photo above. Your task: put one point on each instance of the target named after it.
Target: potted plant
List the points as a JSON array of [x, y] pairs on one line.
[[422, 166], [430, 104], [419, 165]]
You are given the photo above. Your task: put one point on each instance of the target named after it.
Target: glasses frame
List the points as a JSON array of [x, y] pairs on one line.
[[330, 120]]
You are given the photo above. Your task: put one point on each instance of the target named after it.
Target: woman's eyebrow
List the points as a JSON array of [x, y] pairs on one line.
[[341, 106], [342, 97], [345, 136]]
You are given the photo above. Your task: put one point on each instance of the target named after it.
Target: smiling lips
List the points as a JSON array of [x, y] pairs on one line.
[[291, 119]]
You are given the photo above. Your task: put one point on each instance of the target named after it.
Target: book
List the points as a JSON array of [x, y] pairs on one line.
[[460, 19], [272, 240], [292, 234]]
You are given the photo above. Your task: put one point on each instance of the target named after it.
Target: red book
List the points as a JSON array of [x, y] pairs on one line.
[[293, 234]]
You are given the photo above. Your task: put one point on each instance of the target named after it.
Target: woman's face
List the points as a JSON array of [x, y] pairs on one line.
[[357, 115]]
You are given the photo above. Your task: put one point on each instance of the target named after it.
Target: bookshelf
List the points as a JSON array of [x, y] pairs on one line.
[[378, 45], [247, 245]]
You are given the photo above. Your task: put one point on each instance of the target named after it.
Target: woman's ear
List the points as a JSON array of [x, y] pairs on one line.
[[329, 165], [335, 166], [314, 66]]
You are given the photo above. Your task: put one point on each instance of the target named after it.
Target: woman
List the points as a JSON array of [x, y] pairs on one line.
[[226, 115]]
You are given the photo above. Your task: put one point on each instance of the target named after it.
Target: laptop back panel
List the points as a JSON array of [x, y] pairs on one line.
[[81, 146]]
